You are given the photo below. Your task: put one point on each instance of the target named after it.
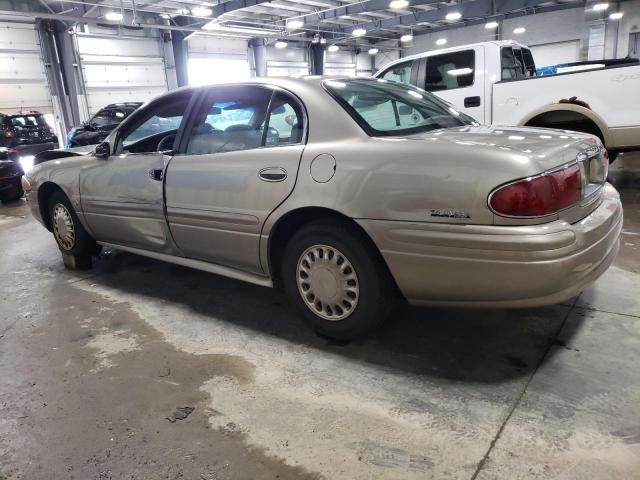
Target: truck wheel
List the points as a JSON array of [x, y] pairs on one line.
[[72, 239], [335, 278]]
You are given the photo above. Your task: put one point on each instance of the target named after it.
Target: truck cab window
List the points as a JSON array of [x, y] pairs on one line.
[[450, 70], [399, 73]]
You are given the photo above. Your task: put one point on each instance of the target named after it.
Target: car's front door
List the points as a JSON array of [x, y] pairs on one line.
[[122, 194], [238, 161]]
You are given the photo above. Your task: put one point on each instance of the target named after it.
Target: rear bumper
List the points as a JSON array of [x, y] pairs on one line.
[[496, 266]]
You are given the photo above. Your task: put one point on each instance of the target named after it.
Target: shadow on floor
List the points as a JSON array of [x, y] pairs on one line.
[[485, 346]]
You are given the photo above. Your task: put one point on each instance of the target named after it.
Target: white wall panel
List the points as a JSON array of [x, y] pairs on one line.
[[23, 83], [287, 62], [121, 69], [555, 53]]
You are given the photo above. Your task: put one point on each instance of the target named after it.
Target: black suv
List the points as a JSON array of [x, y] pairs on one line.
[[27, 133], [10, 175], [100, 125]]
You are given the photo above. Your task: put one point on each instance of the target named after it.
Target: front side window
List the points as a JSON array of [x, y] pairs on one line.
[[157, 126], [386, 108], [233, 119], [399, 73], [450, 70]]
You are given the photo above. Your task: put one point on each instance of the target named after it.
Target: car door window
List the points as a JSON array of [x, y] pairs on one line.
[[399, 73], [157, 126], [233, 119], [450, 70], [285, 122]]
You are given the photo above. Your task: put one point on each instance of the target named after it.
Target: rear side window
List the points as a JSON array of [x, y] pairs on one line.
[[529, 64], [450, 70], [517, 64], [399, 73]]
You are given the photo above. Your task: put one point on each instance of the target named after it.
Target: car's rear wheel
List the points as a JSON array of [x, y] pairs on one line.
[[70, 235], [335, 277]]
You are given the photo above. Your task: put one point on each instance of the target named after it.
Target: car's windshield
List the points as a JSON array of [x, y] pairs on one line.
[[382, 107], [111, 116]]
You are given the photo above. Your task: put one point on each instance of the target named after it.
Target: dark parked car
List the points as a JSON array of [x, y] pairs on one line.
[[96, 129], [10, 175], [27, 133]]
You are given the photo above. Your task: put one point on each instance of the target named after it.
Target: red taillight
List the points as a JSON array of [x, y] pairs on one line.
[[9, 133], [541, 195]]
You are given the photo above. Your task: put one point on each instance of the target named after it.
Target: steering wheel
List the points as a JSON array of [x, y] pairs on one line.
[[166, 143]]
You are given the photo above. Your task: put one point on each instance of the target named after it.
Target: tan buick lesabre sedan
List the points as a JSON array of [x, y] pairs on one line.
[[347, 193]]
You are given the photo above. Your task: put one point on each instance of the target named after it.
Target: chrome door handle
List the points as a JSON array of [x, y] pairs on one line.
[[272, 174]]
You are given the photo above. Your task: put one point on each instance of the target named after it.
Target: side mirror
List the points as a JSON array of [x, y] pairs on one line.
[[103, 150]]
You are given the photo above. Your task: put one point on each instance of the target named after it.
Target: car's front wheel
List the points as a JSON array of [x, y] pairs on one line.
[[335, 277], [70, 235]]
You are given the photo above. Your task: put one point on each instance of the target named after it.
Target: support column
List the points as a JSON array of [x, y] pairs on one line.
[[316, 58], [180, 57], [259, 48]]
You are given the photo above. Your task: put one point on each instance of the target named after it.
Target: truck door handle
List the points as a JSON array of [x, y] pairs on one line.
[[471, 102], [155, 174], [272, 174]]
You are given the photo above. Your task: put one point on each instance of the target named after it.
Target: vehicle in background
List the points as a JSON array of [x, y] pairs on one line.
[[11, 173], [96, 129], [497, 84], [27, 133], [347, 193]]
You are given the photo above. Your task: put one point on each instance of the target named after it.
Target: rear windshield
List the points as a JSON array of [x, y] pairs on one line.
[[111, 116], [387, 108], [21, 121]]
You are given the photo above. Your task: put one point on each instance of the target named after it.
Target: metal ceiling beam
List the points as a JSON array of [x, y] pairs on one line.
[[232, 5], [473, 9], [367, 6]]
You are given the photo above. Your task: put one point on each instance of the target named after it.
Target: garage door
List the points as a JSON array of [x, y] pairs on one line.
[[287, 62], [555, 53], [340, 63], [23, 83], [120, 69], [216, 60]]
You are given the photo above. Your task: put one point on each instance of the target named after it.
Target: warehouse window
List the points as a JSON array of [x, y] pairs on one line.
[[450, 70]]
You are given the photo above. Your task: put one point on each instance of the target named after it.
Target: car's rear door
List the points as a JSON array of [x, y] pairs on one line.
[[122, 195], [458, 78], [237, 162]]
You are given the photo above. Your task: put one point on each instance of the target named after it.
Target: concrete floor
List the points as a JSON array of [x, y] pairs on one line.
[[92, 364]]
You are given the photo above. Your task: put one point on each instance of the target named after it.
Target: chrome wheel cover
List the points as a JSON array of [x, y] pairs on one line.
[[63, 228], [327, 282]]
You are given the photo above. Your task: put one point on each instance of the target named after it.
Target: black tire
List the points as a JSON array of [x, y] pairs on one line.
[[83, 245], [376, 290], [13, 198]]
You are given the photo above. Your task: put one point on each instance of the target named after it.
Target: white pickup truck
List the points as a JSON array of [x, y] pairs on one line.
[[496, 83]]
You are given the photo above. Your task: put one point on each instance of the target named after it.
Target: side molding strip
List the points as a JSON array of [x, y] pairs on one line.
[[198, 265]]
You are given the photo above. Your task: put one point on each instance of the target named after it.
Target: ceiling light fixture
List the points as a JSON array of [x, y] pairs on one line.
[[373, 51], [201, 11], [406, 38], [333, 48], [113, 16], [281, 44], [599, 7], [453, 16], [359, 32], [491, 25], [616, 16], [295, 23], [323, 40], [519, 30], [396, 4], [441, 41]]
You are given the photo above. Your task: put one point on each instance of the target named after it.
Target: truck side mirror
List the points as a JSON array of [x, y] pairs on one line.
[[103, 150]]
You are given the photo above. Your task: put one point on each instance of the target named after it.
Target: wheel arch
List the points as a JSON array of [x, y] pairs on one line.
[[289, 223], [45, 191], [577, 113]]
